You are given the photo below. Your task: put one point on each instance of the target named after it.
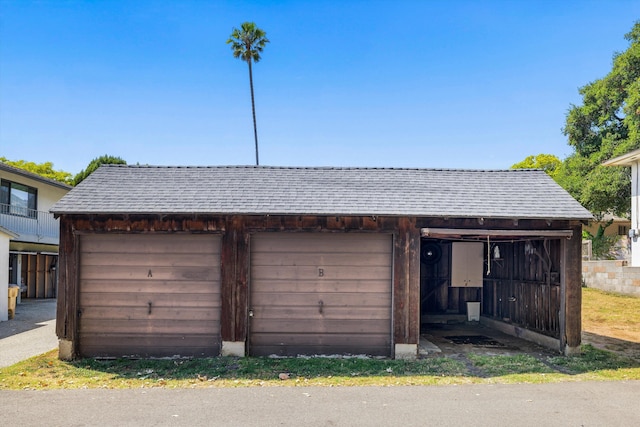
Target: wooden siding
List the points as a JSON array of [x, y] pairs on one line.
[[437, 295], [149, 295], [522, 286], [320, 294], [39, 274], [538, 298]]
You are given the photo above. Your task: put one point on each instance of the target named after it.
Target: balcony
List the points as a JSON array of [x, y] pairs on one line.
[[31, 225]]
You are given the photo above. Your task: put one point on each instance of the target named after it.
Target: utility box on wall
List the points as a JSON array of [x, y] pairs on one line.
[[466, 264]]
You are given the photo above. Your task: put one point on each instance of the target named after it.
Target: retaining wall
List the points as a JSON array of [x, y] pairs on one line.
[[612, 276]]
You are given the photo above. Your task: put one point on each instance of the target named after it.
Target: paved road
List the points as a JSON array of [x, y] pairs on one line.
[[564, 404], [30, 333]]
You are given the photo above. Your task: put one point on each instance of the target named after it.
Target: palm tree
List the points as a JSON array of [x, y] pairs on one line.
[[247, 43]]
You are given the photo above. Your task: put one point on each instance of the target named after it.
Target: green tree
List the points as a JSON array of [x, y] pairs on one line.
[[247, 44], [43, 169], [547, 162], [602, 246], [95, 164], [606, 125]]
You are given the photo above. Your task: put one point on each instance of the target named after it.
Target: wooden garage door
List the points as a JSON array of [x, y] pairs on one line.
[[149, 295], [317, 293]]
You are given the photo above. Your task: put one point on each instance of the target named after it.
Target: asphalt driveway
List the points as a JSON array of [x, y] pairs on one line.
[[565, 404], [31, 332]]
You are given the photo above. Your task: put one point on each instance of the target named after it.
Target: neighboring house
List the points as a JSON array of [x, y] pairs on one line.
[[618, 228], [32, 254], [632, 159], [202, 261]]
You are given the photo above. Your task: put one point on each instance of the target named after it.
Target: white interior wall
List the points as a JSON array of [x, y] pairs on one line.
[[4, 276]]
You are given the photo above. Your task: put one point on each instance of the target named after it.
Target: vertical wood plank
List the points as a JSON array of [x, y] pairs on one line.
[[40, 276], [572, 285], [67, 303], [228, 263], [406, 283], [31, 276], [242, 283], [235, 278]]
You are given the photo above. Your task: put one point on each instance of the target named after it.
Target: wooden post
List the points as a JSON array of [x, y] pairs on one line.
[[67, 308], [406, 289], [571, 293], [233, 288]]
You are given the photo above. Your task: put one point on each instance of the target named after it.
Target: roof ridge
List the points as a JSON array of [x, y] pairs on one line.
[[340, 168]]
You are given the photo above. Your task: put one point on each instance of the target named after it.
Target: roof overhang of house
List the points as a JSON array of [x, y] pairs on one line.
[[8, 232], [624, 160], [33, 176]]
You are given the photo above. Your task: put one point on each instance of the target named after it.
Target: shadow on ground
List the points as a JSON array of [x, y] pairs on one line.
[[622, 347], [30, 314]]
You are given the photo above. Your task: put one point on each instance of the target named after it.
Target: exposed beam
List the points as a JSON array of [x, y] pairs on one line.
[[458, 232]]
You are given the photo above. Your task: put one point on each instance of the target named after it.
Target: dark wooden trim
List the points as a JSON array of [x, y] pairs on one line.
[[241, 285], [67, 303], [406, 283], [497, 224], [572, 303], [235, 273], [235, 262]]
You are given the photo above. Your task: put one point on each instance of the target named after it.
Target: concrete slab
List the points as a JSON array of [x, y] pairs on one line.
[[439, 339]]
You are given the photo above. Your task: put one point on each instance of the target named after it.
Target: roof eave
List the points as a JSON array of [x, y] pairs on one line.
[[303, 213], [624, 160], [33, 176]]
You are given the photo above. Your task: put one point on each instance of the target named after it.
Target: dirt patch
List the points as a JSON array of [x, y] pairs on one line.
[[623, 347]]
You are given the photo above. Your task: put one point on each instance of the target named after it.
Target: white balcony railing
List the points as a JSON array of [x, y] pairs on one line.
[[31, 225]]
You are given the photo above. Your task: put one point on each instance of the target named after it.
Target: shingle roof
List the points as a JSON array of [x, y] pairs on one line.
[[518, 194]]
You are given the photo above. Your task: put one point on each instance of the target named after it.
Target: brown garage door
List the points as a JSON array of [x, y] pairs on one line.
[[317, 293], [149, 295]]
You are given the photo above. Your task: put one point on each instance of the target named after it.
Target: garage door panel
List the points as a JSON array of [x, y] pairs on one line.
[[150, 326], [286, 259], [302, 339], [148, 346], [93, 299], [165, 313], [315, 293], [149, 295], [144, 260], [329, 300], [330, 313], [151, 272], [318, 285], [148, 243], [326, 326], [322, 243], [329, 349], [328, 272], [152, 286]]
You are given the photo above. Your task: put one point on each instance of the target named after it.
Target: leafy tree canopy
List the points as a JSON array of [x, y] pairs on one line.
[[547, 162], [606, 125], [95, 164], [43, 169]]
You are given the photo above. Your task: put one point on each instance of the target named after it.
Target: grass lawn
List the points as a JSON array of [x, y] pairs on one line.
[[611, 315], [602, 312]]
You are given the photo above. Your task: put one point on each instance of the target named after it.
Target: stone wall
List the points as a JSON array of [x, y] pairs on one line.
[[612, 276]]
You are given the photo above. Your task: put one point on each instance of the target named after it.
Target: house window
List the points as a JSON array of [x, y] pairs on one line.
[[623, 230], [18, 199]]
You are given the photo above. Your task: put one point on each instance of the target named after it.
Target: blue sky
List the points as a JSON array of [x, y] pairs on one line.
[[439, 84]]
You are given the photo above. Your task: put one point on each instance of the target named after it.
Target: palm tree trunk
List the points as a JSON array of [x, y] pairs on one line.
[[253, 110]]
